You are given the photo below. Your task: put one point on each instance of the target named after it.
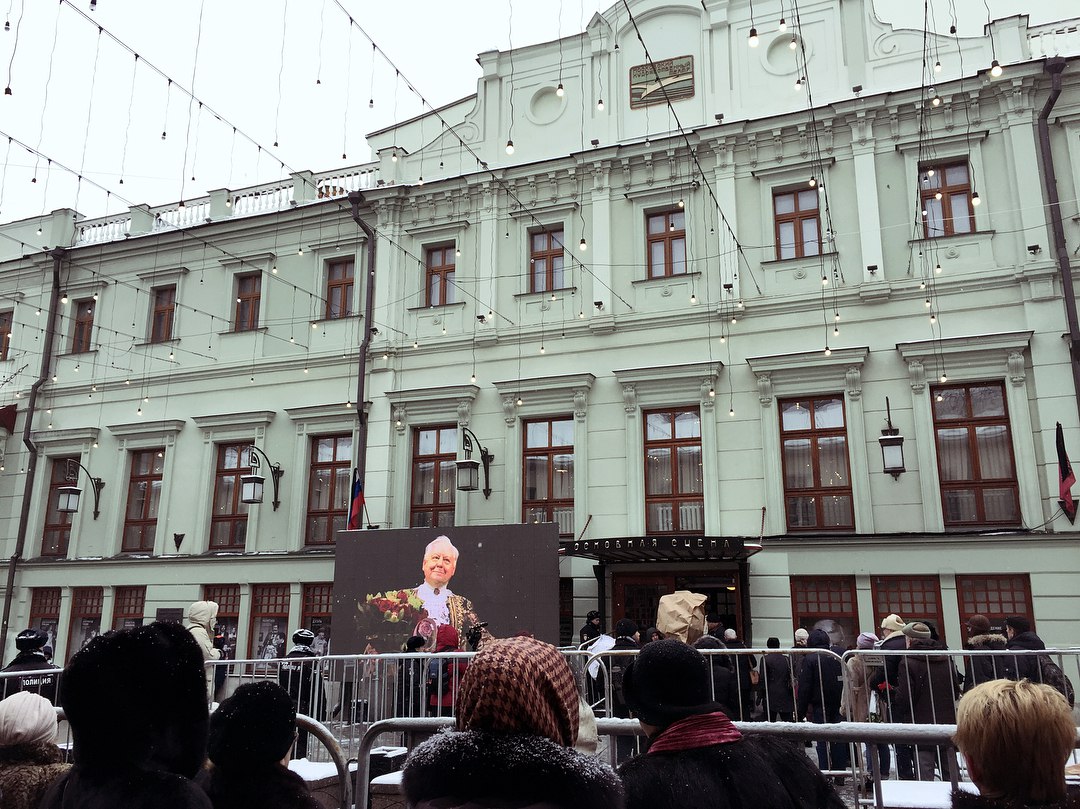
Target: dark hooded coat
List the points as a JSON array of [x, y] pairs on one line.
[[982, 668], [927, 686], [820, 679], [1027, 665]]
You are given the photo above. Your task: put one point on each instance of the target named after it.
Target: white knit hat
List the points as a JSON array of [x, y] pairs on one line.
[[892, 622], [26, 718], [801, 634]]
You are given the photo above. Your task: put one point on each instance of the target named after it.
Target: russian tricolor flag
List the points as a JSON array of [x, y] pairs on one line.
[[356, 504]]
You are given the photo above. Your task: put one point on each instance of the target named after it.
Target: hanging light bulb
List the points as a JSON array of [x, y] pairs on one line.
[[64, 298], [798, 84], [519, 402], [300, 251], [473, 377], [812, 182], [937, 195], [712, 392], [600, 104], [824, 280], [836, 331], [995, 68], [393, 156], [582, 245], [146, 398], [794, 43], [975, 199], [937, 269], [581, 314], [936, 100], [723, 339], [682, 204], [733, 320], [559, 91], [420, 180], [371, 103], [944, 377], [693, 298], [933, 318], [929, 172], [828, 351], [753, 40], [922, 285], [927, 303], [541, 349], [509, 147], [731, 411], [39, 230], [671, 226], [837, 317], [937, 67], [457, 252], [782, 26]]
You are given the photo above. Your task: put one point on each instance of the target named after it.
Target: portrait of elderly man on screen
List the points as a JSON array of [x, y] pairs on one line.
[[440, 602]]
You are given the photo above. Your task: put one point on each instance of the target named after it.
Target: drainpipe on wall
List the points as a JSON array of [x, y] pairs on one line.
[[356, 199], [57, 256], [1054, 67]]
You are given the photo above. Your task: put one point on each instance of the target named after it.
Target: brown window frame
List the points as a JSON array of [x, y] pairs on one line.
[[677, 497], [668, 238], [928, 192], [977, 483], [86, 605], [915, 598], [796, 218], [548, 505], [237, 516], [817, 598], [7, 318], [443, 270], [340, 278], [248, 302], [335, 515], [436, 509], [56, 520], [45, 611], [145, 524], [975, 596], [83, 330], [818, 491], [162, 313], [129, 606], [270, 602], [317, 609], [554, 249]]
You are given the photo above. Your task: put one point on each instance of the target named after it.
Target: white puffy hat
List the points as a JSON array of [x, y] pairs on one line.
[[26, 718]]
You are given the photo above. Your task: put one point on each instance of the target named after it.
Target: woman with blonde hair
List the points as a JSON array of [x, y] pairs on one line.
[[1016, 737]]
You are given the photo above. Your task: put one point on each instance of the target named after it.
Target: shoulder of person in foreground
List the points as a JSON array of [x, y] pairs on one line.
[[263, 787], [962, 799], [476, 765], [755, 771], [138, 789]]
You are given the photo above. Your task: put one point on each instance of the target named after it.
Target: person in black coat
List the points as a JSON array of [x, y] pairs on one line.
[[517, 720], [1022, 639], [136, 704], [981, 668], [696, 758], [743, 665], [820, 690], [301, 678], [725, 688], [250, 736], [591, 629], [31, 644], [627, 637], [778, 695]]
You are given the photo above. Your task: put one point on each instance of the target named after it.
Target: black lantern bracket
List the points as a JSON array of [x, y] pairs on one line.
[[97, 484], [467, 439], [892, 446], [276, 472]]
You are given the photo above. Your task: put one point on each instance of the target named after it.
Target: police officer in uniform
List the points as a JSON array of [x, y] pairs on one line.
[[31, 658], [300, 676]]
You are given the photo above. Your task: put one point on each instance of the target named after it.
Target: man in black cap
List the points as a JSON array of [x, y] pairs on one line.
[[31, 658], [714, 626], [696, 757], [591, 630], [300, 676]]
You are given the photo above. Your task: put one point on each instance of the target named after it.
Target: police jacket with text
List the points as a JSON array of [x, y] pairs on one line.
[[41, 682], [300, 676]]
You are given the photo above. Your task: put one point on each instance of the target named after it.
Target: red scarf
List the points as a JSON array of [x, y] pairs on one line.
[[701, 730]]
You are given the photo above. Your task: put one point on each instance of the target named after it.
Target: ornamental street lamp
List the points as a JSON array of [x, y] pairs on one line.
[[468, 468], [251, 484], [892, 446], [67, 497]]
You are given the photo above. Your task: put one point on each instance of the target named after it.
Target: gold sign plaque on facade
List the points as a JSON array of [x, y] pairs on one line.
[[671, 80]]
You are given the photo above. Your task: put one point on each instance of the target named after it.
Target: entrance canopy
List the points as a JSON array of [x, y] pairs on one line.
[[666, 548]]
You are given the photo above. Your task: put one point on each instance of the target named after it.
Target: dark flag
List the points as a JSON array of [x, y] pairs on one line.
[[1066, 478], [7, 417], [356, 504]]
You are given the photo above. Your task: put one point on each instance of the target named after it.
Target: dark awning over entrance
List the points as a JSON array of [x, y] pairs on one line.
[[669, 549]]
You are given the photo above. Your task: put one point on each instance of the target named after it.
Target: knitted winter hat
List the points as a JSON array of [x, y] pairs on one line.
[[254, 726], [801, 634], [917, 629], [625, 628], [668, 681], [978, 624], [519, 685], [30, 640], [26, 718], [1018, 624], [866, 640], [892, 622]]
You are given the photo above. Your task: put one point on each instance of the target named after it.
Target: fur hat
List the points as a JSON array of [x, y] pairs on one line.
[[712, 618], [917, 629], [256, 725], [668, 681], [801, 635], [892, 622], [591, 615], [866, 640], [30, 640], [1018, 624], [978, 624], [26, 718], [625, 628], [520, 685], [303, 637]]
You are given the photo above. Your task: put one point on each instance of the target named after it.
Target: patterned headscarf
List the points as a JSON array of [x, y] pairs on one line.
[[519, 685]]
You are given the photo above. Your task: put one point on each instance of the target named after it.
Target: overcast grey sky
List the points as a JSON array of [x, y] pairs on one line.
[[78, 98]]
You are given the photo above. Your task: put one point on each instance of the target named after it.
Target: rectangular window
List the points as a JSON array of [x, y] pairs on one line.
[[161, 317], [826, 602], [269, 621], [975, 455], [995, 596], [6, 318], [227, 597], [129, 604], [339, 289], [674, 487], [817, 483], [248, 296], [548, 485], [434, 476], [439, 280], [45, 611], [328, 488], [318, 606], [945, 191], [228, 525], [84, 326], [144, 498], [54, 540], [546, 260], [85, 617], [665, 243], [914, 598], [797, 219]]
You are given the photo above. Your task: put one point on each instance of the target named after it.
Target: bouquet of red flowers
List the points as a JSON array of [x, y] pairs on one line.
[[390, 617]]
